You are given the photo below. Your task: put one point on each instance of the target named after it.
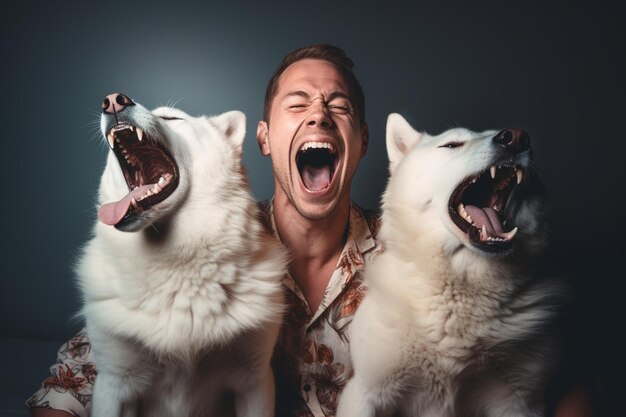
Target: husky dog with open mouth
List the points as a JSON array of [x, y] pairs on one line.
[[181, 282], [456, 320]]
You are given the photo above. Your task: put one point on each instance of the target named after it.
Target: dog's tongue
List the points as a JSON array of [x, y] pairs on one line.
[[485, 216], [316, 178], [113, 213]]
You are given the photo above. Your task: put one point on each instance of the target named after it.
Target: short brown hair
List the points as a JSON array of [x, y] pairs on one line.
[[330, 53]]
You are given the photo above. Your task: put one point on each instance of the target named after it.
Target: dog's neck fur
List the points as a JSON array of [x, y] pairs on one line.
[[436, 282], [209, 267]]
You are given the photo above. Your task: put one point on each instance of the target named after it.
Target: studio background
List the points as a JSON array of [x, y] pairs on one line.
[[555, 70]]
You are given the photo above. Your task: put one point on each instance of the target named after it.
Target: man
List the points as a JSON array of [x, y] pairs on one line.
[[314, 130]]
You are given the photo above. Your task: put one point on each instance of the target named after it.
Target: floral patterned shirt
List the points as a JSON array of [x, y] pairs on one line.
[[311, 360]]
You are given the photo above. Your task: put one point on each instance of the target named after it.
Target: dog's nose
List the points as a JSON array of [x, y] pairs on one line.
[[514, 140], [115, 103]]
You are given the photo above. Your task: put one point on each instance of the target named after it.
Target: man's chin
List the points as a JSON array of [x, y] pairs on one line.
[[316, 212], [317, 208]]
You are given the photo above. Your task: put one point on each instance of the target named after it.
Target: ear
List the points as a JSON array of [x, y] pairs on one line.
[[232, 125], [262, 137], [365, 138], [401, 138]]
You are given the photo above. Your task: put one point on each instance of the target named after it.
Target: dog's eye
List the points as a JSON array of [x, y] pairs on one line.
[[451, 145], [170, 118]]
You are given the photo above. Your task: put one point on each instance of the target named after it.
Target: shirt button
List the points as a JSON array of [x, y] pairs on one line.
[[307, 387]]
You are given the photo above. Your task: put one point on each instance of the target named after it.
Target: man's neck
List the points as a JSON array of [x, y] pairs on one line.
[[306, 238], [314, 245]]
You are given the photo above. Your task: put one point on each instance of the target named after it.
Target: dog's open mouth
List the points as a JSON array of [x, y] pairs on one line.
[[478, 204], [317, 162], [150, 171]]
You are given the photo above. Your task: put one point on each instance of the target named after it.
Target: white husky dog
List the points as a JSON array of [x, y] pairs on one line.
[[181, 282], [456, 322]]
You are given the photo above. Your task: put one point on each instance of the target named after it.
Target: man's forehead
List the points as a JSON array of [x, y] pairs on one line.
[[311, 76]]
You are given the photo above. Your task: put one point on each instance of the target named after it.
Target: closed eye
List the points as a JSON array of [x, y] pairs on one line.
[[451, 145], [339, 109], [170, 118]]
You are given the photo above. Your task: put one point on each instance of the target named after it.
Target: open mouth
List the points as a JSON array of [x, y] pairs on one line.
[[317, 162], [478, 204], [149, 169]]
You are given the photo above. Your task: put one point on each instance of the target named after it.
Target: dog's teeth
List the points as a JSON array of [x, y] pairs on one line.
[[483, 233], [473, 179], [139, 134], [511, 234], [492, 171], [134, 202], [162, 182], [461, 210], [519, 172], [111, 139]]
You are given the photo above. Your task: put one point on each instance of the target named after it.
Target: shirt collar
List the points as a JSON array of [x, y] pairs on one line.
[[359, 241], [360, 233]]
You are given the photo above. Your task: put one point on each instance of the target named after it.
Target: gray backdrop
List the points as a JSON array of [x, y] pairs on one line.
[[556, 70]]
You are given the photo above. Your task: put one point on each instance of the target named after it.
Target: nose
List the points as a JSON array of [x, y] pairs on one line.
[[513, 140], [319, 116], [115, 103]]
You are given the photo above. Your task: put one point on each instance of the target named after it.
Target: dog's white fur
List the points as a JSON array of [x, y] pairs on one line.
[[184, 312], [446, 329]]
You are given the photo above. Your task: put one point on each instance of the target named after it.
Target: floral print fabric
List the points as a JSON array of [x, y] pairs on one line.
[[71, 382], [312, 362]]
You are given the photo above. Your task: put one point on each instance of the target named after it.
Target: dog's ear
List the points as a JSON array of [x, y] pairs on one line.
[[232, 125], [401, 138]]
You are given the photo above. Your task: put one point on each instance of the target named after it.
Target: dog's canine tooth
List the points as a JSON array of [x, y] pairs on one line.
[[492, 171], [162, 182], [111, 139], [139, 134], [511, 234], [519, 172]]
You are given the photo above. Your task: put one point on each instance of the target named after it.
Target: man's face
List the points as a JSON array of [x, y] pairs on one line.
[[314, 138]]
